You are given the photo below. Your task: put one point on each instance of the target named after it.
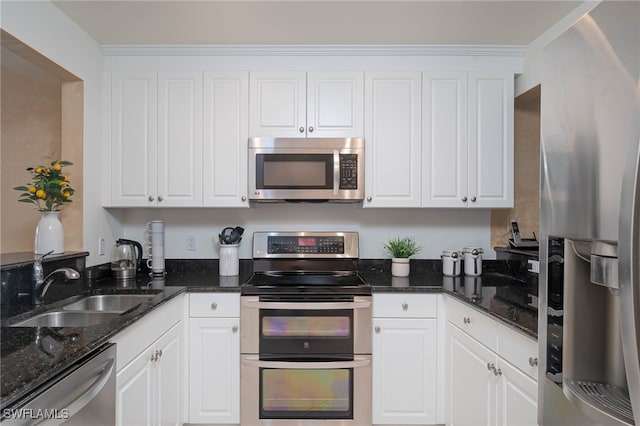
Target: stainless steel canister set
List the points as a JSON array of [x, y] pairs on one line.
[[452, 262]]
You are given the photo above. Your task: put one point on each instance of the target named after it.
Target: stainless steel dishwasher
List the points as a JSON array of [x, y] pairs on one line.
[[83, 395]]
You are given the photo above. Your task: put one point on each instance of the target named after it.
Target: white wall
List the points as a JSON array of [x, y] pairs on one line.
[[46, 29], [433, 229]]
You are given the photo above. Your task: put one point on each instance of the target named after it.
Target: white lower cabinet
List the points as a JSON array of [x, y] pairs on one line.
[[483, 388], [149, 379], [214, 358], [404, 359]]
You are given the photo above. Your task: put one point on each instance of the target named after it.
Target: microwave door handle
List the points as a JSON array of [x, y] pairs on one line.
[[358, 361], [336, 171]]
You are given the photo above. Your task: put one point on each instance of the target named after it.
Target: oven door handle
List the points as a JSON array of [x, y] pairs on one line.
[[320, 306], [358, 361]]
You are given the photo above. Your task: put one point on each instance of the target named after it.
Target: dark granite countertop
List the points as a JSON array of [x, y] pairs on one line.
[[31, 356]]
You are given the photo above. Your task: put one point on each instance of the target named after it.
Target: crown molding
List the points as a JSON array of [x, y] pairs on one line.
[[316, 50]]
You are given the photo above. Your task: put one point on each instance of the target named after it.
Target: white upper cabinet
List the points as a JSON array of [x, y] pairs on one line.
[[179, 139], [392, 138], [300, 104], [134, 139], [444, 150], [226, 125], [156, 139], [491, 139], [468, 139]]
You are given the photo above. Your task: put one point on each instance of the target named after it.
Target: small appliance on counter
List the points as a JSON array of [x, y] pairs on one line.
[[126, 259]]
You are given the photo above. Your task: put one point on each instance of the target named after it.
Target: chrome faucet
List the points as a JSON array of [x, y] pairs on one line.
[[41, 283]]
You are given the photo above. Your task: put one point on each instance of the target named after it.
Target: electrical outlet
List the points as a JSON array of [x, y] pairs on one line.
[[191, 242], [100, 246]]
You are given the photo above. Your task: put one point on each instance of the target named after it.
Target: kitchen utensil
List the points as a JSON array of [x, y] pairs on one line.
[[126, 259], [231, 235]]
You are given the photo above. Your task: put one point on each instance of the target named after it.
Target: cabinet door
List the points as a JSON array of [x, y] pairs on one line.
[[491, 139], [335, 104], [214, 370], [180, 139], [471, 390], [404, 371], [135, 391], [277, 104], [133, 139], [392, 135], [444, 135], [517, 397], [226, 124], [168, 377]]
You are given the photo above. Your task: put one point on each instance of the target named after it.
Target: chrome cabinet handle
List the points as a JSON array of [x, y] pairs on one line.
[[405, 306], [497, 372], [160, 353], [301, 129], [214, 306], [490, 366], [533, 361], [154, 357], [466, 320], [151, 198], [243, 198], [234, 329], [311, 129], [464, 199], [377, 329], [369, 199], [473, 199], [160, 198]]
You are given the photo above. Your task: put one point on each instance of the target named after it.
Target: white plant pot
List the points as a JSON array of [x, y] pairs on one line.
[[49, 234], [400, 267]]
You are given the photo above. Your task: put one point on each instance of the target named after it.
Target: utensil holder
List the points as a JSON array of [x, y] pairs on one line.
[[229, 260]]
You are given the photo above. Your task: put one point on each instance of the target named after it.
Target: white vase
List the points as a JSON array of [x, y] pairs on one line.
[[49, 234], [400, 267]]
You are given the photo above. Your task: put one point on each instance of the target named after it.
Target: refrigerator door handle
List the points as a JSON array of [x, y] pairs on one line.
[[629, 274]]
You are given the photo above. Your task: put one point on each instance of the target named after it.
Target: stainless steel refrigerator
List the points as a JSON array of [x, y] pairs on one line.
[[589, 317]]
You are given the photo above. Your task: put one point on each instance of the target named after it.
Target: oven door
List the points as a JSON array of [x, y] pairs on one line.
[[306, 393], [306, 329]]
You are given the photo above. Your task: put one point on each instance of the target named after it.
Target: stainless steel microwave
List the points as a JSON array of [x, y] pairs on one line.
[[306, 169]]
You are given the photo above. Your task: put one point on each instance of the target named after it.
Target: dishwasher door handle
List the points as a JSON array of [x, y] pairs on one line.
[[82, 400]]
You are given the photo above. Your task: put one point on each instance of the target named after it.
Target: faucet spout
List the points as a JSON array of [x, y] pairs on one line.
[[41, 286]]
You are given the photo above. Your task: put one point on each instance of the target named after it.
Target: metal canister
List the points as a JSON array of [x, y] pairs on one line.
[[450, 263], [472, 261]]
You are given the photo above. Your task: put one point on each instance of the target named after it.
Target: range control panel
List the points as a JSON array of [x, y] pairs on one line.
[[305, 244]]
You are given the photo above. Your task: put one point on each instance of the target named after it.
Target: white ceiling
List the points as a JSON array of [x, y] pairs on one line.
[[316, 22]]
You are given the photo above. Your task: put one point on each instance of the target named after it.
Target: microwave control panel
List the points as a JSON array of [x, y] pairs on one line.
[[348, 171]]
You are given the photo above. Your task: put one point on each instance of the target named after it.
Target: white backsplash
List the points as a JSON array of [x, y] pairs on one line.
[[433, 229]]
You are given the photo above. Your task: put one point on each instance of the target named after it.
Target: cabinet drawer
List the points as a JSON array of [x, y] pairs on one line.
[[404, 305], [519, 350], [475, 323], [214, 305]]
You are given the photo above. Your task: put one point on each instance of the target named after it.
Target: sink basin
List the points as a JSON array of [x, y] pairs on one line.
[[67, 319], [108, 302]]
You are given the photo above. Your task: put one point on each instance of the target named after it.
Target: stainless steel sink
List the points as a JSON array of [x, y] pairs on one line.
[[108, 302], [67, 319]]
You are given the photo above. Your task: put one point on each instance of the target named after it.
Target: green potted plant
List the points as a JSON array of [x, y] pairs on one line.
[[400, 250]]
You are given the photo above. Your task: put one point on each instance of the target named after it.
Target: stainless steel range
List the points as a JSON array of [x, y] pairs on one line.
[[306, 341]]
